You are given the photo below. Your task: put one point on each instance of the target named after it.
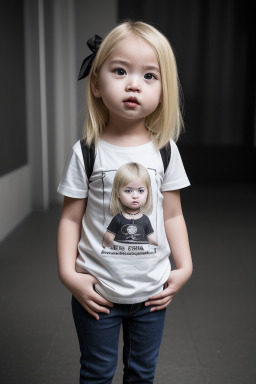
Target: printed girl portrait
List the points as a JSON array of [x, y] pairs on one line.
[[131, 202]]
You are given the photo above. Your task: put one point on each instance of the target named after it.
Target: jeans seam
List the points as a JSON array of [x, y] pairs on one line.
[[137, 308], [130, 350], [81, 329]]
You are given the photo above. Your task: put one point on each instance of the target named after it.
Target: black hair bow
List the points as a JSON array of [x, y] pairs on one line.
[[93, 43]]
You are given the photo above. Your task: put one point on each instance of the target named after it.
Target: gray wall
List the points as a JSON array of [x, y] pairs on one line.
[[13, 143], [15, 197], [214, 46], [92, 17], [42, 107]]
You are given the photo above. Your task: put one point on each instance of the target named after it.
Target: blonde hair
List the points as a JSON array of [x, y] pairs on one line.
[[125, 174], [165, 122]]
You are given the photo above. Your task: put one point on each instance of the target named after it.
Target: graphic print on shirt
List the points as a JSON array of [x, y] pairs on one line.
[[131, 202]]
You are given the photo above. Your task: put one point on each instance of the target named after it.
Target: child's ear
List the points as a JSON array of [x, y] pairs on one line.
[[95, 86]]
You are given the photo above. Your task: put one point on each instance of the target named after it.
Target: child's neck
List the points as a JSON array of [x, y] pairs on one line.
[[126, 134], [130, 215]]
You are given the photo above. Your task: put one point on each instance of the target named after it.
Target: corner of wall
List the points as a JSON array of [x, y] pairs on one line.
[[15, 202]]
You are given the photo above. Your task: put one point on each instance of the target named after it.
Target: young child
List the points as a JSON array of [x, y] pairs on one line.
[[132, 112], [131, 198]]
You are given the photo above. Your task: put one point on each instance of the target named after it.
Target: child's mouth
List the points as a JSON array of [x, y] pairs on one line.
[[131, 102]]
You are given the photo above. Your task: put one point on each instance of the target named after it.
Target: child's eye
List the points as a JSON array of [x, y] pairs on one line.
[[120, 72], [149, 76], [128, 191], [141, 190]]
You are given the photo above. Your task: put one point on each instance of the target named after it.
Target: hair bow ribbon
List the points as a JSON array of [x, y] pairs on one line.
[[93, 43]]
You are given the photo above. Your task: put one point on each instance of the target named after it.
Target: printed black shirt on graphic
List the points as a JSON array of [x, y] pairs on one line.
[[129, 230]]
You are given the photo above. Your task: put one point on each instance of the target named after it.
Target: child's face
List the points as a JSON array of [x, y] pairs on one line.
[[129, 80], [133, 195]]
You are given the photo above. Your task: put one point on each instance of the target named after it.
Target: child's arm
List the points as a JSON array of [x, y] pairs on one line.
[[79, 284], [152, 239], [177, 237], [108, 239]]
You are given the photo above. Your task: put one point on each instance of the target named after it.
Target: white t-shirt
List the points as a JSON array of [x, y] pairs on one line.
[[132, 268]]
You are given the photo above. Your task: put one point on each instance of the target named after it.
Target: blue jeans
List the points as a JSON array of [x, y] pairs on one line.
[[98, 340]]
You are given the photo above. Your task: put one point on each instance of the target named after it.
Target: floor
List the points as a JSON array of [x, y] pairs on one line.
[[210, 332]]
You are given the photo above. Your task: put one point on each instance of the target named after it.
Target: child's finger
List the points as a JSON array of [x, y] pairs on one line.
[[97, 308], [93, 309], [156, 297], [159, 296], [159, 301], [100, 300], [159, 307], [91, 312]]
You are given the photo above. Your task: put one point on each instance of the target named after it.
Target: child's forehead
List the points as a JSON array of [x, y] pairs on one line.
[[133, 48], [135, 183]]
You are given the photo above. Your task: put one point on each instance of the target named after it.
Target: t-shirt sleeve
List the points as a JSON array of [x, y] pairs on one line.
[[149, 228], [74, 181], [113, 226], [175, 176]]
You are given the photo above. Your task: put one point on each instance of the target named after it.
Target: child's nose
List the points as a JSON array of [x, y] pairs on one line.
[[133, 85], [135, 194]]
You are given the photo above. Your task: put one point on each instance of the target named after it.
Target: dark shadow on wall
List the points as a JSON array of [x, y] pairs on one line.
[[13, 143], [214, 48]]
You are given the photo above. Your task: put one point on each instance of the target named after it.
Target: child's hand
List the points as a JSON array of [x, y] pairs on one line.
[[174, 283], [82, 288]]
